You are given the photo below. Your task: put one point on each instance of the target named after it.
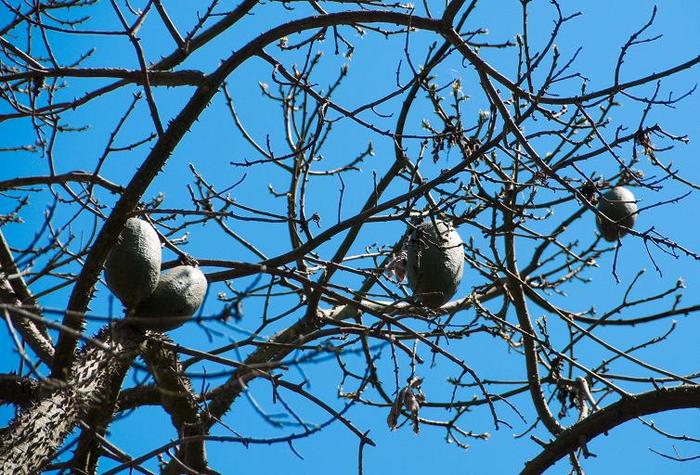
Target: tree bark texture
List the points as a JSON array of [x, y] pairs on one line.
[[95, 378]]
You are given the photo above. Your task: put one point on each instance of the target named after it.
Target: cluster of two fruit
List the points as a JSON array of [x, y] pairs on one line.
[[153, 300]]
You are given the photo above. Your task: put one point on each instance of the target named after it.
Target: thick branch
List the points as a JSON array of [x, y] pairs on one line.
[[178, 399], [138, 396], [87, 452], [77, 176], [600, 422], [517, 295], [156, 78], [37, 340], [14, 292]]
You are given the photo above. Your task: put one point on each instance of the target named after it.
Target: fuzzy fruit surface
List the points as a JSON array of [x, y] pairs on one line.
[[132, 267], [435, 262], [179, 294], [620, 206]]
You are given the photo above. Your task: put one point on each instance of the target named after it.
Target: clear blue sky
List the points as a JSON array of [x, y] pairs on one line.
[[213, 142]]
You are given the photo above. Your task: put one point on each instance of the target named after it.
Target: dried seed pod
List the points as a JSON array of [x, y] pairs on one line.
[[620, 206], [435, 262], [132, 267], [179, 294]]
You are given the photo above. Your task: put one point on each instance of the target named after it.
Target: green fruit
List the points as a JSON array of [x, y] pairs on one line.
[[619, 205], [132, 267], [435, 262], [179, 294]]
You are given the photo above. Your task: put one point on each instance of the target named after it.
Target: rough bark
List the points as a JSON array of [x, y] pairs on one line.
[[178, 400], [33, 437]]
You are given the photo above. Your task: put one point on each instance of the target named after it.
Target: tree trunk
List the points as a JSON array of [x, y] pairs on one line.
[[96, 376]]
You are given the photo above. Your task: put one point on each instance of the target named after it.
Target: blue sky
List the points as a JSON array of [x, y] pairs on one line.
[[213, 143]]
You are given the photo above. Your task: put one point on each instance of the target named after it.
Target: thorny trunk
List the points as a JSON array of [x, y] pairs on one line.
[[33, 437]]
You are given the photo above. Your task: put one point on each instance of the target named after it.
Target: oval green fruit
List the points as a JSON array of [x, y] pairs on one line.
[[132, 267], [179, 294], [435, 262], [620, 206]]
